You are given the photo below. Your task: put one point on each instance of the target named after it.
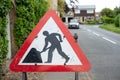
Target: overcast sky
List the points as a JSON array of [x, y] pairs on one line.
[[100, 4]]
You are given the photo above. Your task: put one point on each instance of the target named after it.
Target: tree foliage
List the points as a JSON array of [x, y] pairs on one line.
[[117, 11], [61, 7], [107, 12]]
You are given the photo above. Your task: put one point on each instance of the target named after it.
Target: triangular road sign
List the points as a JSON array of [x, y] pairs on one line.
[[50, 48]]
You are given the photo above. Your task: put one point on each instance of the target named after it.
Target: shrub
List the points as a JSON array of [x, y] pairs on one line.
[[28, 13], [5, 6], [91, 22], [107, 20], [117, 20]]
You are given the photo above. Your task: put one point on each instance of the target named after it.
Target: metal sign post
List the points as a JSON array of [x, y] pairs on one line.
[[76, 76], [24, 76], [76, 73]]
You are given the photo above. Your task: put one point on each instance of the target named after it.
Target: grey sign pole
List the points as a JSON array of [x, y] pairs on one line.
[[76, 76], [76, 73], [24, 76]]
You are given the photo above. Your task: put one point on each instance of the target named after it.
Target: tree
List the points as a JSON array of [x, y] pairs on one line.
[[106, 12], [117, 11], [61, 7], [67, 9]]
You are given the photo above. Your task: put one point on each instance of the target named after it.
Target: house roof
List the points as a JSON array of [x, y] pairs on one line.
[[82, 7]]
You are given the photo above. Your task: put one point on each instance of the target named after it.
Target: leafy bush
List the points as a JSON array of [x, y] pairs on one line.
[[5, 6], [3, 41], [28, 13], [91, 22], [117, 20], [107, 20]]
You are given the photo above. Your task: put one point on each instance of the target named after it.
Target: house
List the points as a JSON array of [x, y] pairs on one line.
[[84, 13]]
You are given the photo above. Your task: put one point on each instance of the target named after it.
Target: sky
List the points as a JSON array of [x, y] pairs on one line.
[[100, 4]]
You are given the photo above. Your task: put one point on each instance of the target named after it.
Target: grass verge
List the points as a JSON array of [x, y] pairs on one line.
[[111, 27]]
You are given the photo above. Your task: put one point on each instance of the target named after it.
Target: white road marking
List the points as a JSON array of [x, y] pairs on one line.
[[96, 33], [102, 37], [89, 30], [109, 40]]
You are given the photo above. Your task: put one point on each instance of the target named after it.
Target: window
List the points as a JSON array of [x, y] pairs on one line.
[[90, 11], [77, 11], [89, 18]]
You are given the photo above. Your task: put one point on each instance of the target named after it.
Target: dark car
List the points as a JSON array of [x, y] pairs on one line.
[[73, 24]]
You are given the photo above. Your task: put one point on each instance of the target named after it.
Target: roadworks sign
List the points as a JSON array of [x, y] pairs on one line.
[[50, 47]]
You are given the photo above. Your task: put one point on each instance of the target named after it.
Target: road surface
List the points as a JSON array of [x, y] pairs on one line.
[[102, 48]]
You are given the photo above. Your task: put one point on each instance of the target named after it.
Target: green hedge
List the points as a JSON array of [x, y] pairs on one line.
[[117, 20], [107, 20], [28, 13], [91, 22], [5, 6]]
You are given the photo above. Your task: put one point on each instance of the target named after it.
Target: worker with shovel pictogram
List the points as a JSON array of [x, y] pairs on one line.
[[55, 44]]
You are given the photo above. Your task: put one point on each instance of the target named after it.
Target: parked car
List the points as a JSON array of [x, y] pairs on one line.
[[73, 24]]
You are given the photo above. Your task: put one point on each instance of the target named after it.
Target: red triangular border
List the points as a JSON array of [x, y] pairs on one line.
[[50, 68]]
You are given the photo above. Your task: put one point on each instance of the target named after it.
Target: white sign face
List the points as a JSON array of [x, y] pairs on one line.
[[50, 47]]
